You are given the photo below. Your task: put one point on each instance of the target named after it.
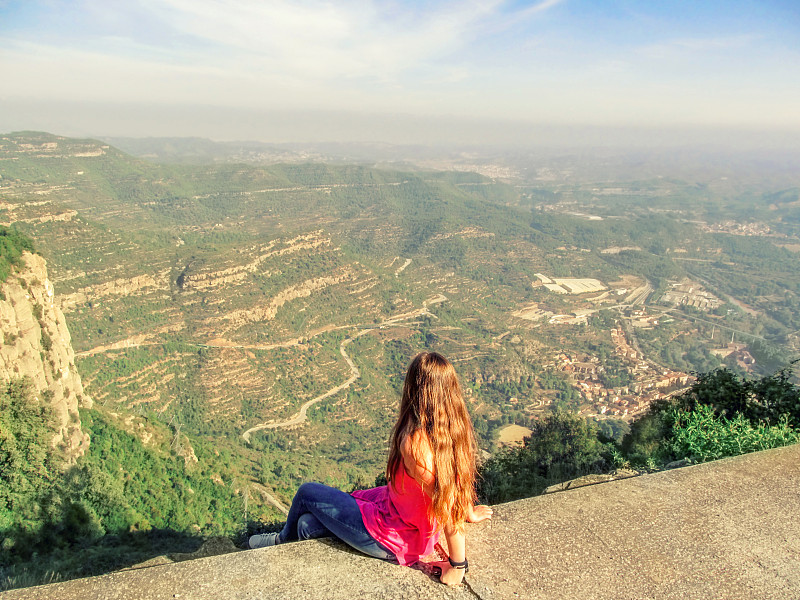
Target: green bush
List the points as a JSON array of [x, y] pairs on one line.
[[767, 399], [644, 443], [56, 518], [47, 342], [12, 245], [702, 435], [721, 414], [27, 466]]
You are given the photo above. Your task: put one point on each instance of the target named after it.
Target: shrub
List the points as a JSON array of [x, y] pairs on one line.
[[702, 435], [645, 440], [720, 415], [766, 399], [12, 245], [47, 342]]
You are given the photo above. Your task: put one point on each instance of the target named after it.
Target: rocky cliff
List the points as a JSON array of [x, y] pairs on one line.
[[36, 344]]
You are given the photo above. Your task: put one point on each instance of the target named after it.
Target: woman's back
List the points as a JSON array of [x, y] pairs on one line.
[[434, 439], [398, 516]]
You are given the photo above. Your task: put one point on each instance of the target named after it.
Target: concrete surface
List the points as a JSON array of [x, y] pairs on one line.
[[729, 529]]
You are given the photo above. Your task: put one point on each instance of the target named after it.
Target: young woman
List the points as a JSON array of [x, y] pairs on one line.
[[431, 489]]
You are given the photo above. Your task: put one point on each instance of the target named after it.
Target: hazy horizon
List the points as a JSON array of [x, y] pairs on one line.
[[325, 127]]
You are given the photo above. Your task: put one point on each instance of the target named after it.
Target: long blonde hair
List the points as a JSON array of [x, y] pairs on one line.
[[433, 405]]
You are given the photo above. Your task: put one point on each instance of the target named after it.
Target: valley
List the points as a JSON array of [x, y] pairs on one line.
[[272, 308]]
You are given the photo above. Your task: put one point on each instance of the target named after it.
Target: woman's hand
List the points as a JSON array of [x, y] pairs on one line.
[[479, 513], [449, 576]]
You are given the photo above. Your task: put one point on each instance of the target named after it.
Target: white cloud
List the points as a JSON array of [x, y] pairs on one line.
[[248, 52], [541, 7], [323, 40]]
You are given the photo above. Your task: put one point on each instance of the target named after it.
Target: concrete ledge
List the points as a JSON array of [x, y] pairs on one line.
[[728, 529]]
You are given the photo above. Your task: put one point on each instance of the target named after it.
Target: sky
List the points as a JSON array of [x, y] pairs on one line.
[[386, 70]]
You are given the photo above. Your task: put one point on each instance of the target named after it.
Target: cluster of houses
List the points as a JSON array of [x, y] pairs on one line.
[[650, 383], [639, 317], [739, 353], [736, 228]]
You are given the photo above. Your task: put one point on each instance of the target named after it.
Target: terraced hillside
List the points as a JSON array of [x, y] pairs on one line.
[[285, 301], [221, 297]]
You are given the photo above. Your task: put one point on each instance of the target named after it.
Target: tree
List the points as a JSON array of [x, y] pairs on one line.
[[562, 446], [643, 444], [766, 399], [745, 414]]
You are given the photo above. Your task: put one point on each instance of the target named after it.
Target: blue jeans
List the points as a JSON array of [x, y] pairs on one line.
[[321, 511]]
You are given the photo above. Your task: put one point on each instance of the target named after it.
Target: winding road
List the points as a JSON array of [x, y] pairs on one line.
[[270, 498], [302, 415]]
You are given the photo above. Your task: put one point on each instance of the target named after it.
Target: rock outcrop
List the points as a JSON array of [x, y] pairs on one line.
[[36, 344]]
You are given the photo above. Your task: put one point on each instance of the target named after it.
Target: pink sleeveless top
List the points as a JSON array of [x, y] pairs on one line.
[[397, 516]]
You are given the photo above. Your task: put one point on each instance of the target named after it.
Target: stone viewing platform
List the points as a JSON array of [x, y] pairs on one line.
[[728, 529]]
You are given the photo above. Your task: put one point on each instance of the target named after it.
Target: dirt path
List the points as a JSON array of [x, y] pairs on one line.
[[140, 340], [402, 267], [133, 342], [302, 415], [322, 186]]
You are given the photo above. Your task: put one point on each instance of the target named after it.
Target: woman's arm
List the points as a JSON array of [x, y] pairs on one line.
[[457, 544], [457, 547], [418, 460]]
